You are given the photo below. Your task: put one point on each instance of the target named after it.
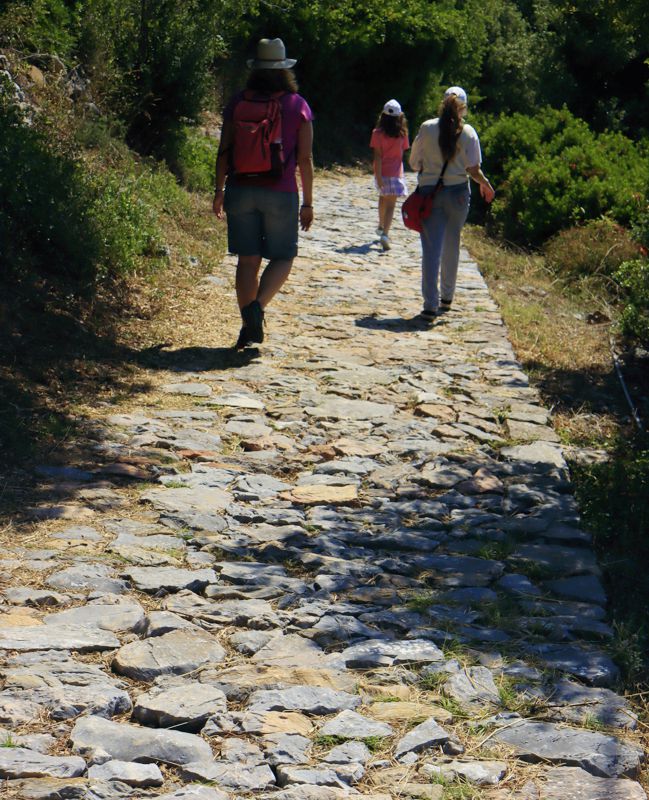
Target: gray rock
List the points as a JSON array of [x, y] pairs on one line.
[[519, 585], [480, 773], [572, 702], [378, 653], [49, 789], [333, 407], [160, 622], [250, 642], [592, 666], [350, 725], [194, 501], [286, 748], [584, 588], [573, 783], [288, 775], [17, 711], [175, 653], [89, 578], [40, 598], [598, 754], [65, 686], [473, 686], [244, 777], [258, 487], [132, 774], [422, 737], [348, 753], [185, 706], [169, 579], [110, 613], [131, 742], [193, 389], [41, 742], [256, 614], [19, 762], [57, 637], [559, 560], [289, 650], [308, 699], [537, 453], [195, 792]]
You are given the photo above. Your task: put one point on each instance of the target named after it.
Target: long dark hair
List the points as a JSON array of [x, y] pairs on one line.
[[450, 125], [268, 81], [392, 125]]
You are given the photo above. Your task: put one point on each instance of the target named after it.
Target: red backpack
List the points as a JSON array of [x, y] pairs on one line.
[[257, 144]]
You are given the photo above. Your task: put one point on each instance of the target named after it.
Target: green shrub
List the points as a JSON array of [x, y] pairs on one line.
[[40, 26], [597, 248], [551, 172], [63, 218], [194, 160], [633, 276]]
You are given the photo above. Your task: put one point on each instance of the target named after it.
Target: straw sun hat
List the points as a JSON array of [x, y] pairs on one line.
[[271, 54]]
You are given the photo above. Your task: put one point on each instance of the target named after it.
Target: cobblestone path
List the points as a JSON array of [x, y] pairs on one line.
[[360, 569]]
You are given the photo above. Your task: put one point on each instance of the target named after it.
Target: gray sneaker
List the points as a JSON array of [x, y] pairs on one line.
[[385, 242]]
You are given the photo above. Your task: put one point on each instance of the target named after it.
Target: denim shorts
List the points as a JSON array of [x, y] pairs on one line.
[[261, 222]]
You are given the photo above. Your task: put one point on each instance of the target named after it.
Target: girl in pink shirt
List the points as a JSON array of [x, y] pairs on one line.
[[389, 141]]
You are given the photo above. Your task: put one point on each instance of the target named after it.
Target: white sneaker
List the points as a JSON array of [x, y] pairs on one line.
[[385, 242], [379, 231]]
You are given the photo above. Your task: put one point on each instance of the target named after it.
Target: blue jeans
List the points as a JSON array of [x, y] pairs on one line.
[[440, 243]]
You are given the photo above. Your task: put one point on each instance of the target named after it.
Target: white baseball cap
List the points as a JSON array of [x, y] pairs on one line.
[[459, 92], [393, 108]]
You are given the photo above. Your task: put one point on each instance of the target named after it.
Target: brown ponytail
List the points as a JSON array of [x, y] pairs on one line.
[[450, 125]]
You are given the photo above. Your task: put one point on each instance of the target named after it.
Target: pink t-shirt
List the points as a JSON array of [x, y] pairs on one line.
[[295, 111], [391, 149]]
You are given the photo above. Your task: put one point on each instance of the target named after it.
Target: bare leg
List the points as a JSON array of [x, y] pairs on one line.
[[272, 279], [247, 280], [390, 200], [382, 199]]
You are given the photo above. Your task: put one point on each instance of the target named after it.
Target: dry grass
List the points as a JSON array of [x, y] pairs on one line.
[[556, 333]]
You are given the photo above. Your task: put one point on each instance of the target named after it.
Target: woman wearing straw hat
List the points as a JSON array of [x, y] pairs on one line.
[[262, 209], [445, 153]]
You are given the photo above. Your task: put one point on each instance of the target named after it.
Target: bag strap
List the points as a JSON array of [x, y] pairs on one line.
[[440, 180]]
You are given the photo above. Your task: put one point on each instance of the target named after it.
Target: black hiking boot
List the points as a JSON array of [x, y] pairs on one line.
[[253, 320], [244, 339]]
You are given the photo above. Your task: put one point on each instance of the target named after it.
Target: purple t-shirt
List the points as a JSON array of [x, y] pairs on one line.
[[295, 111]]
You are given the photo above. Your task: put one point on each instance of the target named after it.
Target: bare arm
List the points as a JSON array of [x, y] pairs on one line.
[[221, 168], [305, 164], [486, 189]]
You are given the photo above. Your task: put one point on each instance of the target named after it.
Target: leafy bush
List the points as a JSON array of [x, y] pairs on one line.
[[59, 218], [194, 160], [598, 247], [552, 172], [633, 276]]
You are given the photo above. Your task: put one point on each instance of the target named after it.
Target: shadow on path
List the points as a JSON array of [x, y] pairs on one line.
[[195, 359], [396, 324], [359, 249]]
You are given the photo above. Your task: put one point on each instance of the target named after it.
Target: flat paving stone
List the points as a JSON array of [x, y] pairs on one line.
[[175, 653], [126, 742], [598, 754], [65, 686], [18, 762], [574, 783]]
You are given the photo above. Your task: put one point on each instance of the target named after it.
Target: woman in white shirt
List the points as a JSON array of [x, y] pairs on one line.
[[446, 148]]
